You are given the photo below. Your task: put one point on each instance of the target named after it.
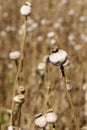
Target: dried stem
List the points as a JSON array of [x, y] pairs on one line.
[[69, 98], [18, 71], [19, 117], [0, 125], [47, 85]]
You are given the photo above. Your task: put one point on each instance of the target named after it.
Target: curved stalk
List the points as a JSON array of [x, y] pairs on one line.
[[18, 71]]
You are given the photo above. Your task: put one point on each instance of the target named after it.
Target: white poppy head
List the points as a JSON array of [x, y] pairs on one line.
[[53, 42], [71, 12], [82, 19], [84, 127], [19, 99], [40, 121], [51, 116], [14, 55], [58, 57], [51, 34], [13, 127], [85, 86], [41, 66], [26, 9], [10, 128]]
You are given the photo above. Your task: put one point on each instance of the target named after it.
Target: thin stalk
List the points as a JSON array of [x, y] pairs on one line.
[[48, 95], [69, 98], [47, 85], [54, 126], [18, 71], [43, 128], [0, 125], [19, 117]]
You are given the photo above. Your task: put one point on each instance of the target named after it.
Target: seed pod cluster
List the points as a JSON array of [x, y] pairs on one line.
[[18, 101], [20, 98], [42, 120]]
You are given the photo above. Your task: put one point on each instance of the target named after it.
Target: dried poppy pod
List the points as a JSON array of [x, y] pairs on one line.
[[21, 90], [26, 9], [19, 99], [51, 34], [58, 57], [40, 121], [41, 67], [13, 128], [14, 55], [84, 127], [51, 116]]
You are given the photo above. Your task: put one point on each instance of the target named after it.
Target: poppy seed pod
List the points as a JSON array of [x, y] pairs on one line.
[[21, 90], [26, 9], [14, 55], [58, 57], [51, 34], [51, 116], [13, 128], [10, 128], [19, 99], [84, 127], [41, 68], [40, 121]]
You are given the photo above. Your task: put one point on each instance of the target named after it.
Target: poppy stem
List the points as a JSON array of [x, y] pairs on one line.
[[69, 97]]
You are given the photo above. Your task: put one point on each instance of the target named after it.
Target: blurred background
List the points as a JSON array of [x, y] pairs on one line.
[[53, 23]]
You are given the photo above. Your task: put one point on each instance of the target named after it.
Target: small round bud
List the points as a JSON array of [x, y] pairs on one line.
[[14, 55], [58, 57], [40, 121], [26, 9], [21, 90], [19, 99], [51, 116]]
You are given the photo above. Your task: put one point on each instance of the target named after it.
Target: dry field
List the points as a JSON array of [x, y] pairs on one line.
[[52, 23]]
